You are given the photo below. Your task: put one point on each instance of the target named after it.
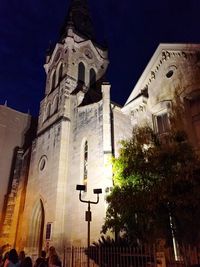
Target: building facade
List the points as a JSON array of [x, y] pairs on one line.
[[74, 142], [14, 127], [173, 72], [79, 130]]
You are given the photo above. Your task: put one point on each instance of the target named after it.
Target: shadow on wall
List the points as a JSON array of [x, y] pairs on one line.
[[93, 93]]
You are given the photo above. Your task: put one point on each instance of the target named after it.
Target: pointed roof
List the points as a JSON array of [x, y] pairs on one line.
[[79, 18]]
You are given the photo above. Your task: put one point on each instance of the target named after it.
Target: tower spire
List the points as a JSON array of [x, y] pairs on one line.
[[79, 18]]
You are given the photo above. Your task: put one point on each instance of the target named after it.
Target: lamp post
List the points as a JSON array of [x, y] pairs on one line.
[[88, 214]]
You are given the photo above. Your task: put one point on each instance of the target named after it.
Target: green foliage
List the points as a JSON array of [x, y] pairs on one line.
[[133, 165], [153, 180]]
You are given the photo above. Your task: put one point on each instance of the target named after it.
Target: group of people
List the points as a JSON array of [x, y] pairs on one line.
[[13, 259]]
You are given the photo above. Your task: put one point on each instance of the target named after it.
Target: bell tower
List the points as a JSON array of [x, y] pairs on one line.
[[76, 66], [70, 127]]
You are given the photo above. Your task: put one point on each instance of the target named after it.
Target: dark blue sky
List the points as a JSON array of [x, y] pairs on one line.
[[132, 29]]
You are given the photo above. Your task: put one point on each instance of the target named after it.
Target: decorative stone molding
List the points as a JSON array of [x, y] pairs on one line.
[[138, 110], [166, 55]]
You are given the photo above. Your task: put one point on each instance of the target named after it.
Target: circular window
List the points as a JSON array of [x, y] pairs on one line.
[[170, 71], [88, 54], [169, 74], [42, 163]]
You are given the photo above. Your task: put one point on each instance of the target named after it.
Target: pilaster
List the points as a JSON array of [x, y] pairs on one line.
[[107, 133]]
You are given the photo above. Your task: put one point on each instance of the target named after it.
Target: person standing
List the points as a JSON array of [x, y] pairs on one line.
[[21, 258], [5, 259], [53, 259], [41, 261], [27, 262], [13, 260], [1, 261]]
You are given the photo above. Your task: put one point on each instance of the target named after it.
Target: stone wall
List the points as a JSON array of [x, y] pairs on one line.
[[13, 127], [87, 126]]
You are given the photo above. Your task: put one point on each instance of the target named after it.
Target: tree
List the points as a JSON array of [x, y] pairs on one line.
[[157, 187]]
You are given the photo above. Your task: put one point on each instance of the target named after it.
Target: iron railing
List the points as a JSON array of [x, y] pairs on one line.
[[110, 257], [143, 256]]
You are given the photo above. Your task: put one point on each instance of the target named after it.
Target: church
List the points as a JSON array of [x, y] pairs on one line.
[[79, 131]]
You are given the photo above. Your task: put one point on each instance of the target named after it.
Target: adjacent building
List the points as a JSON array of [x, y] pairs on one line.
[[172, 72], [14, 137]]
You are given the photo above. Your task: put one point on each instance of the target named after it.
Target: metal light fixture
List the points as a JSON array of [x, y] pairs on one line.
[[80, 187], [88, 213]]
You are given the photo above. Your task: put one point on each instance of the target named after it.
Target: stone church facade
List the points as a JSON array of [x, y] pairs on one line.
[[79, 129]]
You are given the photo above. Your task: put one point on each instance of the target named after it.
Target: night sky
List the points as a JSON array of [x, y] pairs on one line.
[[132, 30]]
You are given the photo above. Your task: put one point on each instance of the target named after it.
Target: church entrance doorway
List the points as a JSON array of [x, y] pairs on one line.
[[37, 229]]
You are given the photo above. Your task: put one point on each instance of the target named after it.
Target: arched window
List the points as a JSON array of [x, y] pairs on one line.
[[48, 111], [85, 162], [92, 78], [55, 104], [81, 72], [60, 73], [53, 81]]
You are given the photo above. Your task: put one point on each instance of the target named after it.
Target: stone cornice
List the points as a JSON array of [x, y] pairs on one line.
[[163, 53], [166, 55]]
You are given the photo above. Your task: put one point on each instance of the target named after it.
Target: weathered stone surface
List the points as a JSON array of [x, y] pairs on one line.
[[13, 127]]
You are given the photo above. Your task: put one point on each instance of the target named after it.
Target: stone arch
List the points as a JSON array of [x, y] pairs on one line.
[[36, 230], [48, 110], [53, 80], [81, 72], [55, 104], [60, 72], [92, 78]]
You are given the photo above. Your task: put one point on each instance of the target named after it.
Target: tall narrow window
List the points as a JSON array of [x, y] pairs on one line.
[[55, 104], [53, 81], [85, 171], [49, 231], [60, 73], [48, 111], [92, 78], [162, 123], [81, 72]]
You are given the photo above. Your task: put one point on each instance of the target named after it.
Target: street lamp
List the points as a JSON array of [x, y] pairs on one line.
[[88, 214]]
